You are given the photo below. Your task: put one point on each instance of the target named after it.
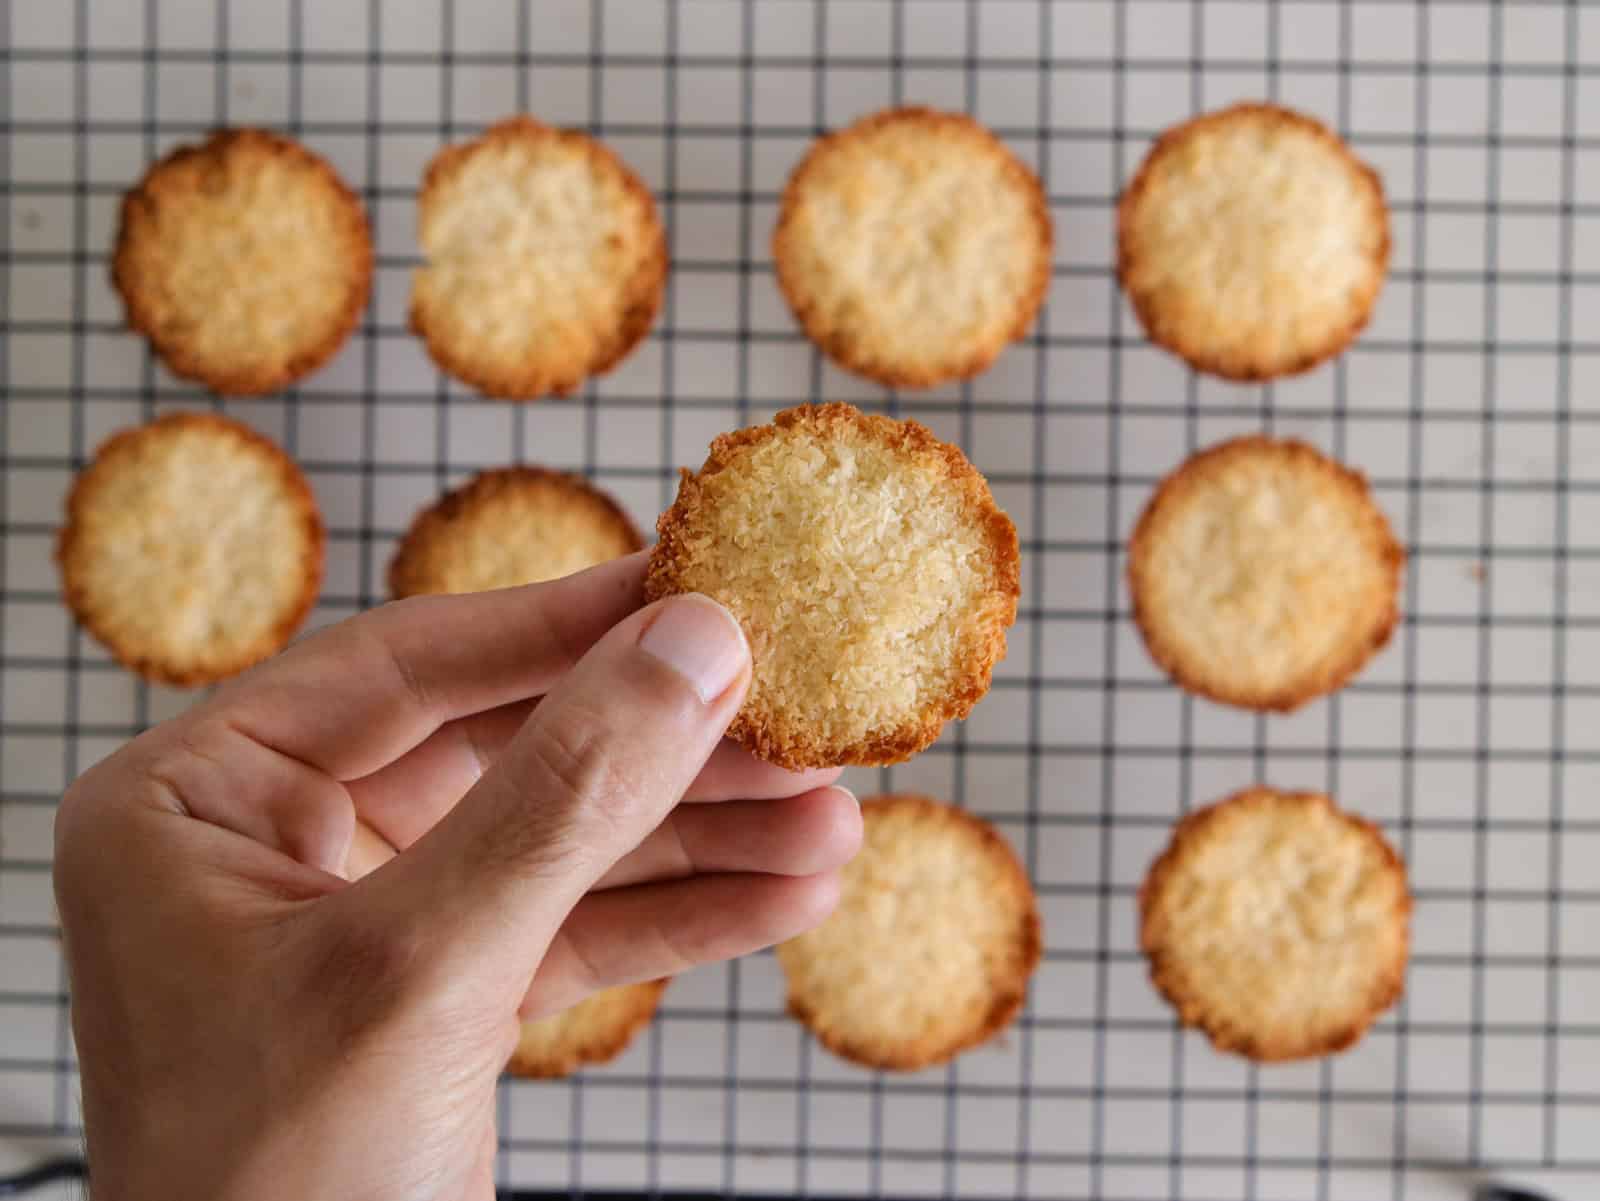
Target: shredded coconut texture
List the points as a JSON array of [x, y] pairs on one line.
[[595, 1030], [511, 526], [1252, 242], [545, 260], [930, 949], [1263, 574], [913, 246], [870, 568], [245, 261], [192, 548], [1278, 924]]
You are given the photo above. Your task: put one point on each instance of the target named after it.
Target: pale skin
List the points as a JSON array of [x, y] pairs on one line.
[[304, 920]]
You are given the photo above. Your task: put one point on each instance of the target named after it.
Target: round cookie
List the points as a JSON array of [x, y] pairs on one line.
[[244, 260], [931, 947], [870, 568], [1277, 923], [510, 526], [913, 246], [1252, 242], [545, 260], [192, 548], [1263, 574], [595, 1030]]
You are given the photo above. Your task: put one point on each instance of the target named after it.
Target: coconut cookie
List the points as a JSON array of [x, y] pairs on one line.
[[545, 260], [192, 548], [595, 1030], [1252, 242], [913, 246], [514, 525], [244, 260], [931, 947], [1277, 924], [1263, 574], [870, 568]]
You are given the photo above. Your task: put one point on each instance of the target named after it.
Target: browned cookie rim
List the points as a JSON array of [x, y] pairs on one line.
[[645, 289], [601, 1047], [128, 281], [1215, 362], [804, 306], [754, 731], [1008, 1000], [1172, 660], [1167, 979], [435, 519], [68, 551]]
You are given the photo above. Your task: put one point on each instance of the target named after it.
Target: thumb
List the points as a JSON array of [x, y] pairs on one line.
[[598, 765]]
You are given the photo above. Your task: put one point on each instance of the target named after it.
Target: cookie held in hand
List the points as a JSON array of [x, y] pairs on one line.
[[870, 568]]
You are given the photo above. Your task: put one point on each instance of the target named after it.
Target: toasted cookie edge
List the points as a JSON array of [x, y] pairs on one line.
[[804, 305], [130, 283], [1223, 1034], [149, 666], [596, 1047], [1171, 490], [755, 730], [1217, 363], [646, 289], [1008, 1000], [407, 565]]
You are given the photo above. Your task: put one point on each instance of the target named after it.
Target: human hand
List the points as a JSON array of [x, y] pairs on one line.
[[255, 1021]]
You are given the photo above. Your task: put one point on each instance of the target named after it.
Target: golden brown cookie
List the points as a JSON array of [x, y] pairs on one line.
[[594, 1030], [245, 260], [913, 246], [510, 526], [192, 549], [870, 568], [1277, 923], [1263, 574], [545, 260], [931, 947], [1252, 242]]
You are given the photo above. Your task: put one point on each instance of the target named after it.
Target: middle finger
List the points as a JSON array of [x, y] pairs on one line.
[[404, 800], [802, 835]]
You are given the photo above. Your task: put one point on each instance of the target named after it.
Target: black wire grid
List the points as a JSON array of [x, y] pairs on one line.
[[1471, 738]]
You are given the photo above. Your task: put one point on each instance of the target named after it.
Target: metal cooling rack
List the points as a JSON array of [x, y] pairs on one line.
[[1469, 401]]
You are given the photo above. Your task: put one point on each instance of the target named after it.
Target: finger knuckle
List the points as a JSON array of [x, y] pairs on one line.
[[581, 768], [677, 951]]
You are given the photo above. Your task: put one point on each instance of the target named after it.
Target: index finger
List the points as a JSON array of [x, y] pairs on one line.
[[356, 696]]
